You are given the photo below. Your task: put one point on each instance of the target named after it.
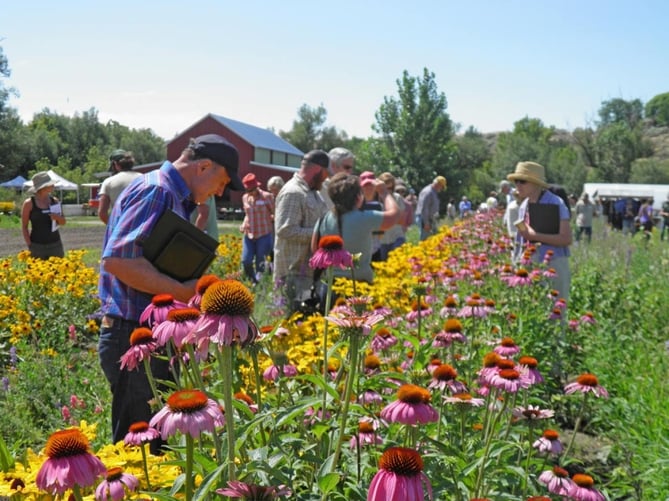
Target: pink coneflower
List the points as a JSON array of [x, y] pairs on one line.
[[142, 345], [507, 347], [464, 400], [274, 372], [243, 397], [312, 417], [382, 340], [530, 364], [178, 324], [370, 397], [348, 318], [549, 273], [188, 411], [588, 318], [445, 376], [371, 365], [549, 442], [573, 325], [532, 413], [331, 252], [582, 489], [251, 492], [400, 477], [452, 332], [366, 434], [474, 307], [140, 433], [227, 306], [450, 306], [201, 286], [586, 383], [423, 310], [556, 314], [116, 486], [490, 361], [520, 278], [548, 256], [508, 379], [156, 311], [556, 480], [560, 303], [69, 464], [411, 407]]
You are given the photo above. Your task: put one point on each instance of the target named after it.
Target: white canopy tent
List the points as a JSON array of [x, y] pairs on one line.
[[62, 184], [658, 192]]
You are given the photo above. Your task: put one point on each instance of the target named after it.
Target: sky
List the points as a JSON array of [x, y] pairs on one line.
[[164, 65]]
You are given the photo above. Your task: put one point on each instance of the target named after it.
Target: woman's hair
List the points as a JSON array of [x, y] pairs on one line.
[[387, 177], [343, 190]]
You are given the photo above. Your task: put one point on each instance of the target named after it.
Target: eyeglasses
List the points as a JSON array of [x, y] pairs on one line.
[[347, 167], [520, 181]]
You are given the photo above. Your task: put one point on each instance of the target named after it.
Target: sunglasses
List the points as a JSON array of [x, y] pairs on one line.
[[520, 181], [347, 167]]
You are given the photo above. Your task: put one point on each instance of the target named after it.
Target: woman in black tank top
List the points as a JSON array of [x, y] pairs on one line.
[[42, 214]]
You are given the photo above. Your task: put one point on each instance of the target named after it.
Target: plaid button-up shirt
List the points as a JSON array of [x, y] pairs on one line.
[[259, 210], [298, 208]]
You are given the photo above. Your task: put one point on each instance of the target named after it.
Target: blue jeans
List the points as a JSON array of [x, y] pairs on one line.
[[255, 249], [131, 391]]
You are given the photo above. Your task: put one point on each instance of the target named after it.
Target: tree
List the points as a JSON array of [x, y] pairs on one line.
[[309, 131], [618, 110], [416, 130], [657, 109], [650, 171]]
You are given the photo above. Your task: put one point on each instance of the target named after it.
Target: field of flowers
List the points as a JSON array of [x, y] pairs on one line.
[[456, 376]]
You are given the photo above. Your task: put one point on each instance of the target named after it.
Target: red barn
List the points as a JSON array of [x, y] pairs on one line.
[[261, 151]]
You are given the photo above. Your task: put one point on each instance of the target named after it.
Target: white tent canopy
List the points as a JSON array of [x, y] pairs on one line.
[[658, 192], [62, 184]]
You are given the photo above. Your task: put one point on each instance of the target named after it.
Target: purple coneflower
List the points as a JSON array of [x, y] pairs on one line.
[[586, 383], [582, 489], [507, 347], [474, 307], [450, 306], [331, 252], [490, 361], [588, 318], [451, 332], [520, 278], [532, 413], [400, 477], [366, 434], [371, 365], [178, 324], [445, 376], [243, 397], [69, 464], [549, 273], [464, 400], [274, 372], [556, 480], [549, 442], [116, 486], [508, 378], [423, 310], [188, 411], [201, 286], [348, 318], [382, 340], [157, 310], [370, 397], [140, 433], [530, 365], [411, 407], [142, 345], [227, 306], [252, 492]]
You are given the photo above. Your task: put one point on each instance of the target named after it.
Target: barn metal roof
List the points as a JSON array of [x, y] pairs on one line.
[[260, 138]]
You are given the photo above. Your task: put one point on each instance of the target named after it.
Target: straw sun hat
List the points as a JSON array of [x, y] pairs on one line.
[[531, 172]]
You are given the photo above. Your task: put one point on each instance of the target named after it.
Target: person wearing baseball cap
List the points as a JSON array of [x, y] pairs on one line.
[[121, 163], [257, 227], [128, 281]]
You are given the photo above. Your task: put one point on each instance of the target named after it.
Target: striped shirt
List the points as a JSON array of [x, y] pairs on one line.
[[298, 208], [259, 210], [133, 216]]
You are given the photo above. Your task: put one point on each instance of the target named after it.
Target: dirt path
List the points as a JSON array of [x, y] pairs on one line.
[[74, 237]]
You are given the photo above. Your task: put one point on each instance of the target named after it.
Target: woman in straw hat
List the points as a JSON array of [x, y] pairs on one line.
[[43, 214], [530, 181]]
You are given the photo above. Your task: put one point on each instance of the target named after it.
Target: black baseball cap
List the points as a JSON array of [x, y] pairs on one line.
[[318, 157], [221, 151]]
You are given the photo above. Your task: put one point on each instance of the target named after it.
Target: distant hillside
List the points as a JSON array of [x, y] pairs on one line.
[[658, 137]]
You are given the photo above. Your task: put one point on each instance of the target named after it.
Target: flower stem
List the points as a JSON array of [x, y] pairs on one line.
[[146, 467], [189, 467], [152, 382], [225, 365], [330, 279], [577, 425], [256, 373]]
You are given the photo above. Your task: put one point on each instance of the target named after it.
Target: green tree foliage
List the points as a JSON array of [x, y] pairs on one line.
[[617, 146], [615, 111], [416, 130], [310, 132], [657, 109], [650, 171], [471, 166]]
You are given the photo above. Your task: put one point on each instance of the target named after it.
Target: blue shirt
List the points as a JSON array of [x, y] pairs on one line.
[[546, 197], [134, 215]]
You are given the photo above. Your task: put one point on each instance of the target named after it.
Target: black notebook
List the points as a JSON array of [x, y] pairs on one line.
[[178, 248], [545, 218]]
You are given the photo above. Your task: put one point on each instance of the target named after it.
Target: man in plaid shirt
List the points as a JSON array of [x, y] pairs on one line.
[[257, 227], [299, 205]]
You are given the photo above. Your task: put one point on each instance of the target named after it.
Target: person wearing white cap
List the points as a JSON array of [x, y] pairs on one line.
[[43, 215], [530, 180]]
